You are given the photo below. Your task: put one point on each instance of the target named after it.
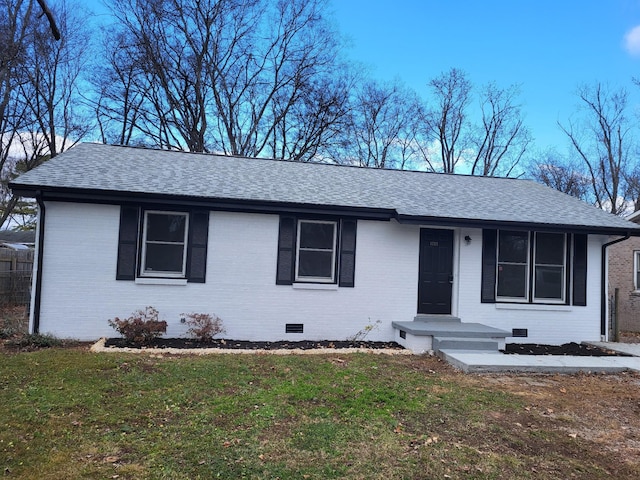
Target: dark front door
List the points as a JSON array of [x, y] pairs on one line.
[[436, 271]]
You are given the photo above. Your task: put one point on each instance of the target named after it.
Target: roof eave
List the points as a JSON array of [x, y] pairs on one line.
[[506, 224], [64, 194], [67, 194]]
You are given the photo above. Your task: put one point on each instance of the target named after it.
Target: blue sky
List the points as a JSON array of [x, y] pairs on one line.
[[548, 47]]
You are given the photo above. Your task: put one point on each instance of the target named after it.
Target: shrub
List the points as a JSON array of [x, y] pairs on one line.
[[203, 326], [141, 328], [362, 334], [14, 320], [35, 340]]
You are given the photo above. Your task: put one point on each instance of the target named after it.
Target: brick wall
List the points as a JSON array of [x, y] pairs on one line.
[[621, 271]]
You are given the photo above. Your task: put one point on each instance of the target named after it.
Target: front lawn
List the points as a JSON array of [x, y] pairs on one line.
[[68, 413]]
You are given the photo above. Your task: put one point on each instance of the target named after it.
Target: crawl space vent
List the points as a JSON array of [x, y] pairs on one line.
[[294, 328], [520, 332]]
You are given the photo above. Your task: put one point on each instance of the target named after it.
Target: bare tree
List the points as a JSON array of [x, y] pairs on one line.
[[446, 121], [383, 126], [502, 139], [558, 172], [40, 119], [13, 30], [244, 78], [119, 95], [52, 71], [313, 126], [51, 18], [603, 140]]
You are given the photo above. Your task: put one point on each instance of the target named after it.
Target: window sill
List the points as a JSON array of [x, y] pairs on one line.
[[315, 286], [161, 281], [533, 306]]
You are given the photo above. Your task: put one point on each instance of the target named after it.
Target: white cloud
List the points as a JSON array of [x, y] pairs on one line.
[[632, 41]]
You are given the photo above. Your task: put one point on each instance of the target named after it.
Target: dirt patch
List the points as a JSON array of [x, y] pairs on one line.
[[573, 349], [185, 343], [594, 415], [630, 337]]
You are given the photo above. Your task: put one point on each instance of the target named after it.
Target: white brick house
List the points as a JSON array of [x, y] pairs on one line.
[[284, 250]]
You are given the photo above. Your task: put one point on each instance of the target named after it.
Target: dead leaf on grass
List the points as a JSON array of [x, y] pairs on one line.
[[111, 459]]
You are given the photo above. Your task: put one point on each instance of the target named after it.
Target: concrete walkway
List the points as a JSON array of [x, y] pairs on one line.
[[496, 362]]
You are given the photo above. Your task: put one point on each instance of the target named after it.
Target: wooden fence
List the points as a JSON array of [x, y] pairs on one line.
[[16, 267]]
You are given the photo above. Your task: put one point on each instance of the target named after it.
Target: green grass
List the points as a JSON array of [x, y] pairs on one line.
[[67, 413]]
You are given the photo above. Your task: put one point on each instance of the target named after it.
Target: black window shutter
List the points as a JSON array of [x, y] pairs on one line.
[[128, 243], [347, 253], [489, 252], [286, 251], [197, 247], [580, 270]]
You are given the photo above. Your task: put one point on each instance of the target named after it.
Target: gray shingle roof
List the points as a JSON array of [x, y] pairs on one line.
[[419, 195]]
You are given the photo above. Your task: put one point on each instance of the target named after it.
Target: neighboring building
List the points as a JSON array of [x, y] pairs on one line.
[[17, 240], [287, 250], [624, 276]]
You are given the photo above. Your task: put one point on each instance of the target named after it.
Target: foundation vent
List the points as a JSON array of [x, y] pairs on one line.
[[294, 328], [520, 332]]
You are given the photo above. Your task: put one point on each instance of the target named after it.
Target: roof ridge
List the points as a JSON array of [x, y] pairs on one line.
[[297, 162]]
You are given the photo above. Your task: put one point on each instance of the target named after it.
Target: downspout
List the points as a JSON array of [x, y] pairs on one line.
[[38, 279], [605, 283]]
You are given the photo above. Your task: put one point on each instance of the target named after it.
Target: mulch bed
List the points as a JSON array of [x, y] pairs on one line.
[[573, 349], [247, 345]]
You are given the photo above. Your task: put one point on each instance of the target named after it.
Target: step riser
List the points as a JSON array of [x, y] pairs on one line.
[[464, 344], [436, 318]]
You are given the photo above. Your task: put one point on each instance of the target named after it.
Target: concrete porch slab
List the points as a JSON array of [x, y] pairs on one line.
[[450, 329], [628, 348], [497, 362]]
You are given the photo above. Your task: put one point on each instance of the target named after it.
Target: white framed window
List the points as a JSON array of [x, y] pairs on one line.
[[550, 253], [531, 267], [164, 244], [316, 251], [513, 266], [636, 269]]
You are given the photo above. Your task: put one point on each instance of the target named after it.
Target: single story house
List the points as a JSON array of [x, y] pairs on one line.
[[303, 251]]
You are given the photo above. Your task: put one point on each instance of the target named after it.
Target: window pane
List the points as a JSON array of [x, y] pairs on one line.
[[316, 235], [512, 281], [513, 247], [315, 264], [550, 248], [549, 282], [164, 258], [165, 227]]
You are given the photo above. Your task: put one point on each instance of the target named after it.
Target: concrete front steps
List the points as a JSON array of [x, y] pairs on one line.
[[433, 333]]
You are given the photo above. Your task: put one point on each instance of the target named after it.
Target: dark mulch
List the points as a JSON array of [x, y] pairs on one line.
[[247, 345], [573, 349]]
